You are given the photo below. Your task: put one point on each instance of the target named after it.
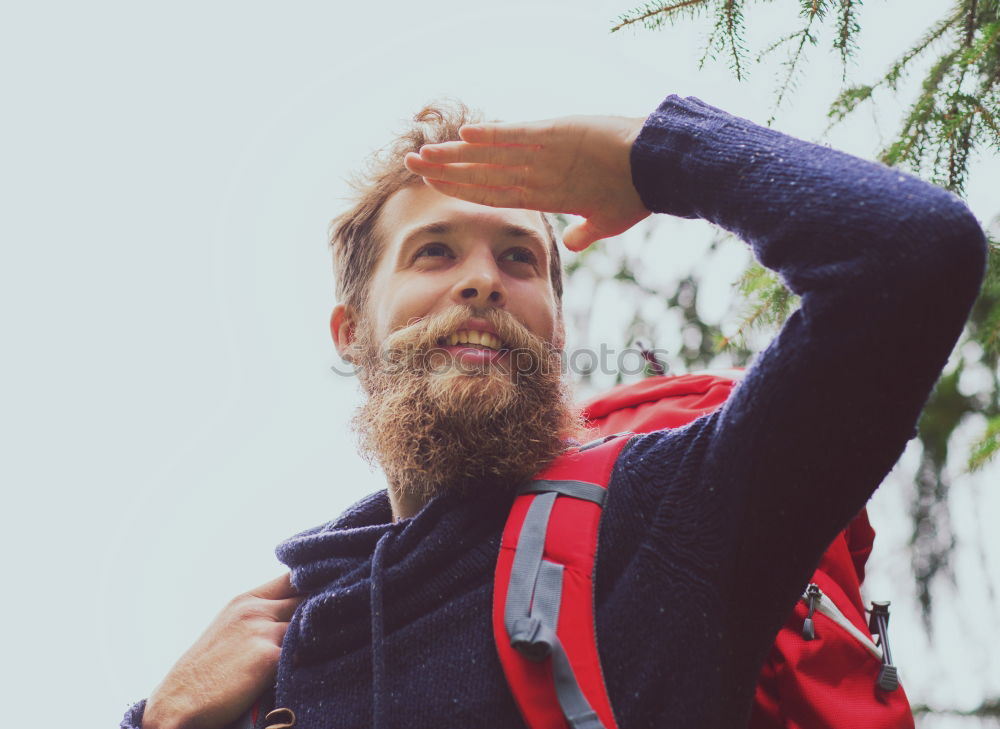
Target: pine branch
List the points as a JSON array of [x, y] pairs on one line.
[[851, 97], [989, 121], [792, 65], [908, 147], [975, 52], [847, 101], [847, 30], [661, 12], [936, 33], [984, 449], [732, 13], [709, 45], [812, 9], [970, 22], [959, 148], [987, 333], [770, 302], [989, 336]]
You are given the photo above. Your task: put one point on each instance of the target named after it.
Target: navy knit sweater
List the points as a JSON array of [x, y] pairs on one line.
[[710, 531]]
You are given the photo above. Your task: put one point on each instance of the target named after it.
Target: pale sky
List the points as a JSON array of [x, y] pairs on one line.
[[169, 413]]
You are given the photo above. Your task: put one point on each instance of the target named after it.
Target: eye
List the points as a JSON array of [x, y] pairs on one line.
[[433, 250], [520, 255]]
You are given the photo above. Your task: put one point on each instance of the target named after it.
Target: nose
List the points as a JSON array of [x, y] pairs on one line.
[[480, 282]]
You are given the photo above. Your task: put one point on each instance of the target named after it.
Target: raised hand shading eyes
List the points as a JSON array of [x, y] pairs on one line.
[[575, 165]]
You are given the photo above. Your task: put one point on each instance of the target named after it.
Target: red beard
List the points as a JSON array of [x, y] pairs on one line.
[[435, 423]]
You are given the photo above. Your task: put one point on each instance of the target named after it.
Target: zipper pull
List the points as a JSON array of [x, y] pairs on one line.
[[888, 678], [813, 596]]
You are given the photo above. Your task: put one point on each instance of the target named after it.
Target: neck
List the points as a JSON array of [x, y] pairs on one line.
[[404, 505]]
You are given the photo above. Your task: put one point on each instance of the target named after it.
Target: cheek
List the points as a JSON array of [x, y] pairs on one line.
[[538, 311], [552, 333], [404, 301]]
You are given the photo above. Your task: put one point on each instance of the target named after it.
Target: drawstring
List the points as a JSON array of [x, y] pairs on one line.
[[378, 629], [888, 678]]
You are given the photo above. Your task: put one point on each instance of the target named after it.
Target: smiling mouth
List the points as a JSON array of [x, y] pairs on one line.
[[473, 338]]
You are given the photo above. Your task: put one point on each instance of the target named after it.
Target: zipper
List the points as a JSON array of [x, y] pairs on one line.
[[814, 598]]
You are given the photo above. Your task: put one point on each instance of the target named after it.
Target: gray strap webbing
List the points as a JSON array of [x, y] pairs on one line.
[[545, 607], [548, 594], [571, 699], [527, 561], [576, 489]]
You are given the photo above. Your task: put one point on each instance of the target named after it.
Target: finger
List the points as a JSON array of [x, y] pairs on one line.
[[509, 155], [469, 174], [276, 589], [274, 632], [282, 610], [579, 236], [497, 197], [495, 133]]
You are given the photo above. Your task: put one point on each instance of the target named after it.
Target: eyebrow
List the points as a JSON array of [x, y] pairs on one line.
[[509, 230]]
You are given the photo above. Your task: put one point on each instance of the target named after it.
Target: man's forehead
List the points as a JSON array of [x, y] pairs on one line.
[[418, 209]]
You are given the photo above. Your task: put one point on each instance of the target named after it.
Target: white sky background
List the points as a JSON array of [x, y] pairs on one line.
[[169, 413]]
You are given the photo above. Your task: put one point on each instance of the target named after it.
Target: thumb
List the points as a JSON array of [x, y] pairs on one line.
[[581, 235]]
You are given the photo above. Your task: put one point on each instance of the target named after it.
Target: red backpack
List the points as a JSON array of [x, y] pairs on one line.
[[825, 669]]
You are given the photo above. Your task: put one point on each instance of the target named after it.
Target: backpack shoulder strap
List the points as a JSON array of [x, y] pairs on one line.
[[543, 597]]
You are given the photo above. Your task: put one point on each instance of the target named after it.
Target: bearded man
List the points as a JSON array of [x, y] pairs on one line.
[[448, 278]]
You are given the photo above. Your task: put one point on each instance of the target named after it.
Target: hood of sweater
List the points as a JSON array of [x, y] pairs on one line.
[[349, 568]]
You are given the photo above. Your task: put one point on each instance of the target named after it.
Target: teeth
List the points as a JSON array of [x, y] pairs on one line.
[[467, 336]]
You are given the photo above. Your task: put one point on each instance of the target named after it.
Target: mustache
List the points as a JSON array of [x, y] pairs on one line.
[[432, 331]]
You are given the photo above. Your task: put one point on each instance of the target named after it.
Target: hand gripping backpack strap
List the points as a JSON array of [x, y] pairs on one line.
[[543, 598]]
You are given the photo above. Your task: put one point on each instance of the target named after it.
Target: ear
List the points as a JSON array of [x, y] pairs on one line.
[[343, 322]]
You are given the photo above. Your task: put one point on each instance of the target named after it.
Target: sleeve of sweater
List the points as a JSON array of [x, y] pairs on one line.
[[133, 717], [887, 268]]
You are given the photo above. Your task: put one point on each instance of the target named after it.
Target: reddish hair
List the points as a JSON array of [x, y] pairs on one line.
[[354, 239]]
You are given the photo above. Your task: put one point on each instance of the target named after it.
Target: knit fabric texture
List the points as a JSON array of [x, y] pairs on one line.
[[711, 530]]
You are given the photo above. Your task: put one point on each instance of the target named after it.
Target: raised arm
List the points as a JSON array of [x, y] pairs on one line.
[[887, 267]]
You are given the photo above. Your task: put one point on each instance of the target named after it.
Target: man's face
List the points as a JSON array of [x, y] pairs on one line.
[[474, 417], [440, 252]]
